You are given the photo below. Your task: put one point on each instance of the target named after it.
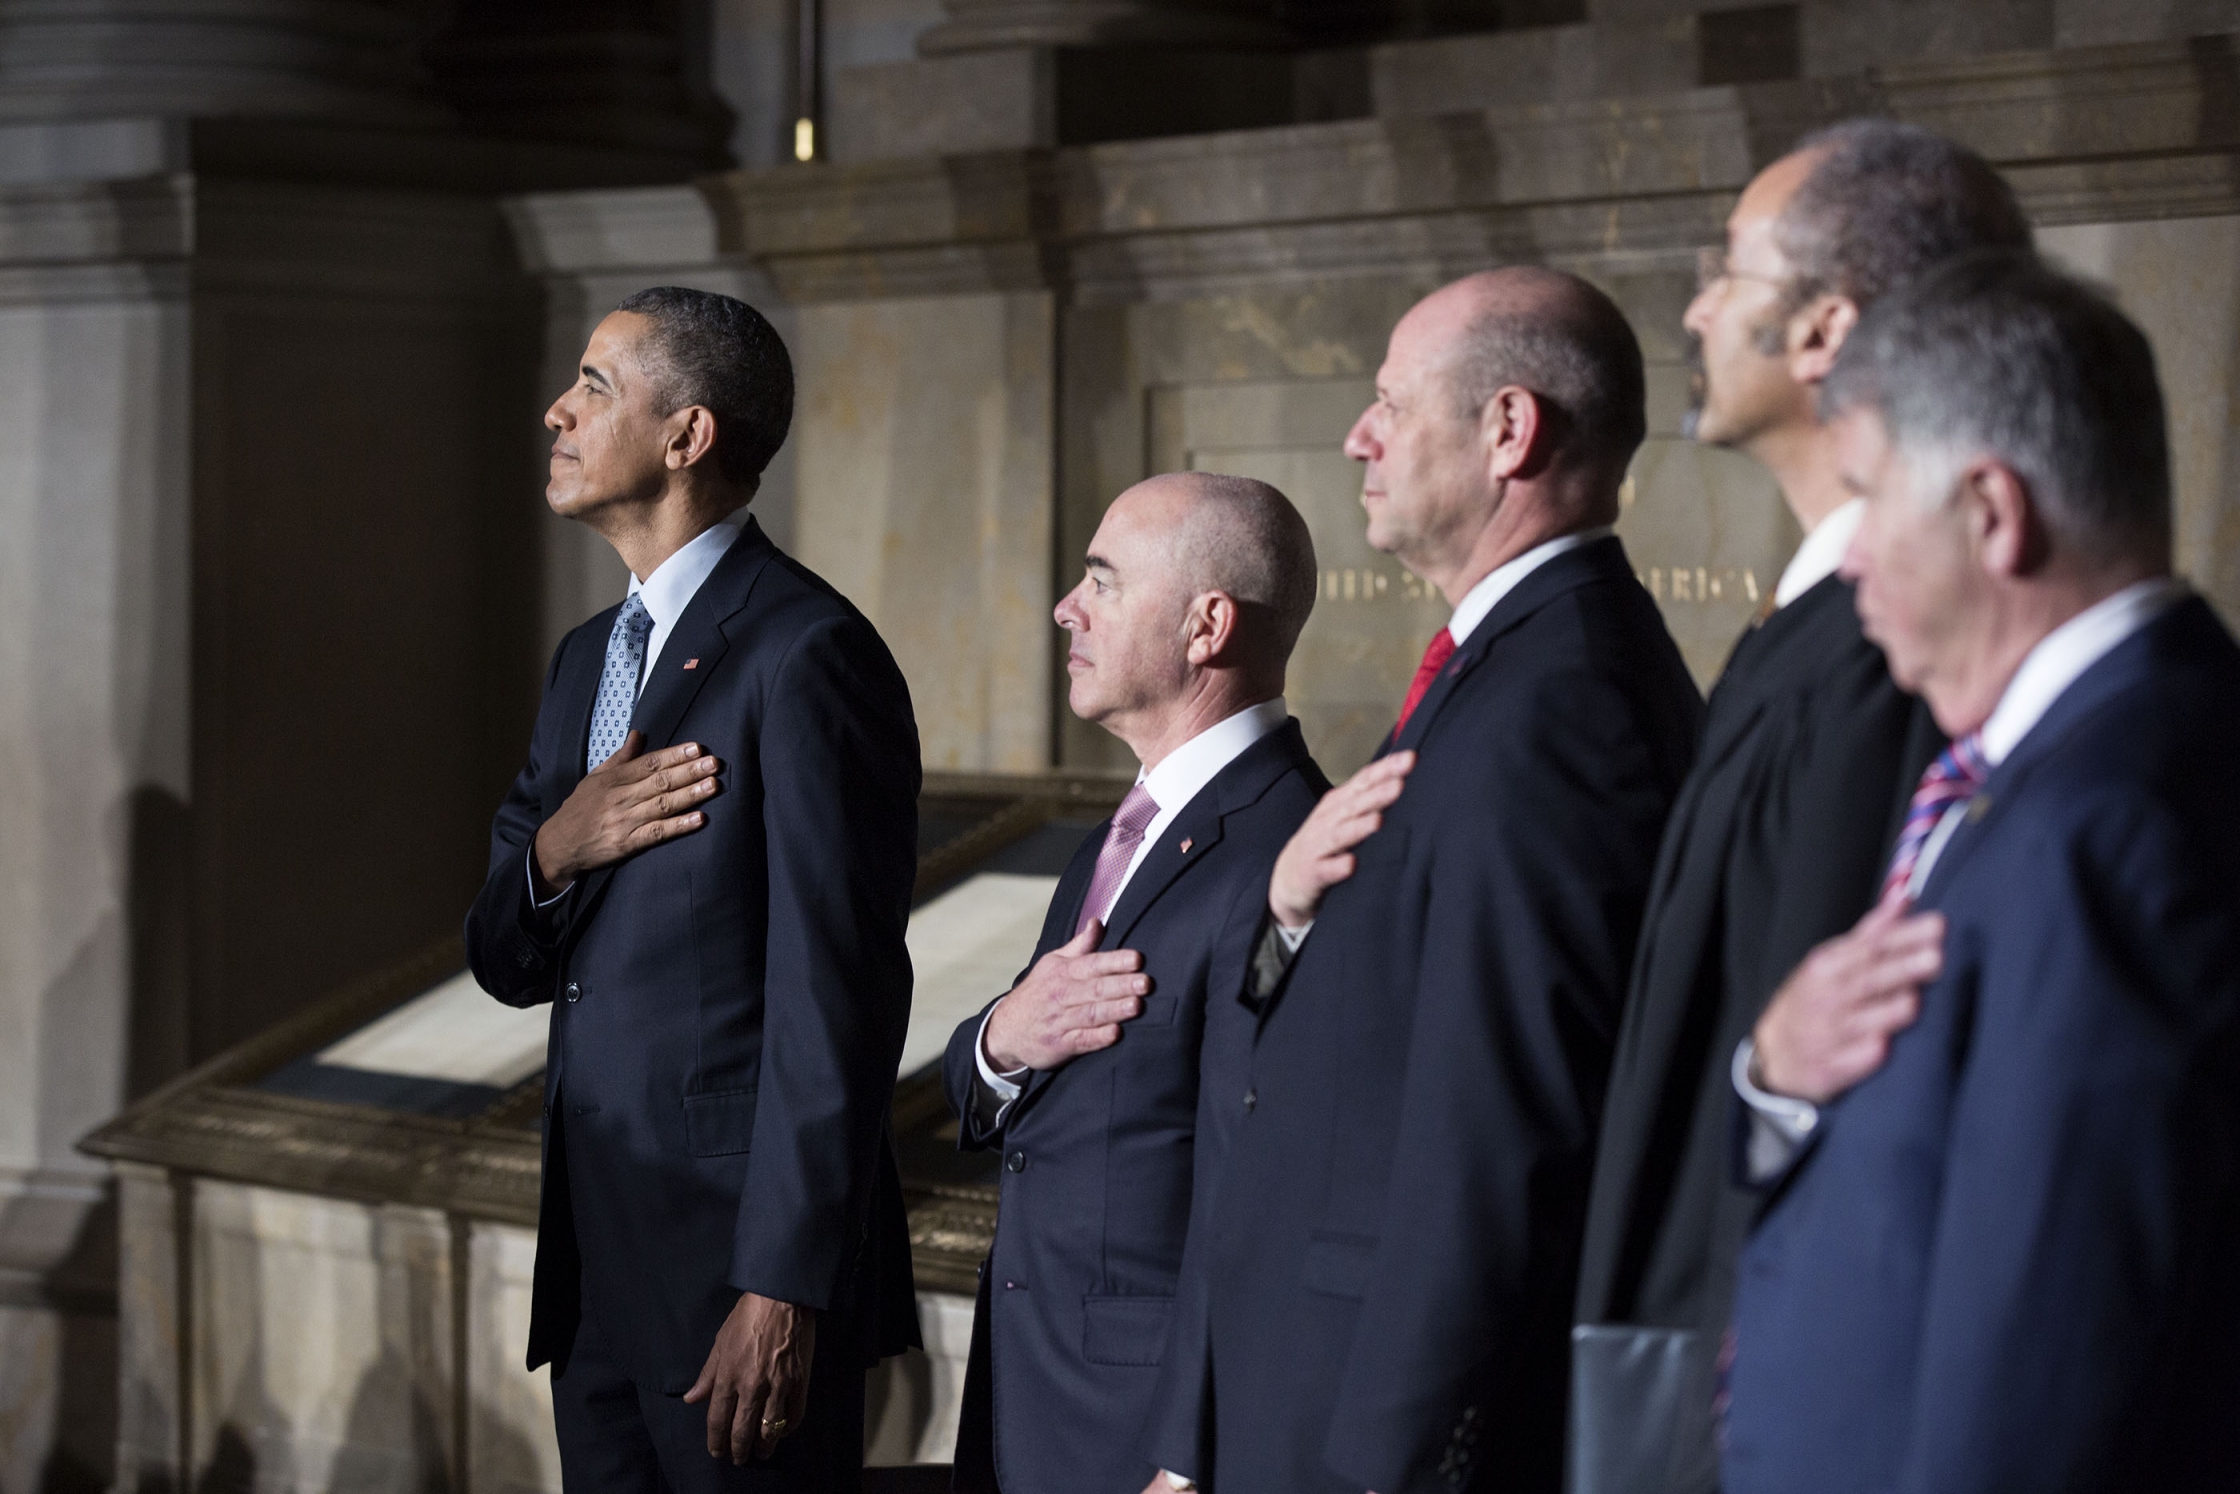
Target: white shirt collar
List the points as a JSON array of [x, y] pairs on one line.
[[674, 582], [1822, 551], [1502, 579], [1197, 762], [2049, 669]]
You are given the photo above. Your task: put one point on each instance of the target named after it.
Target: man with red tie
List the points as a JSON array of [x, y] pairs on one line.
[[1380, 1297]]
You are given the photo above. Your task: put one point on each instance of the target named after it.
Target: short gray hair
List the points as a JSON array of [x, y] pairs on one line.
[[1242, 536], [1580, 357], [1884, 202], [1998, 353]]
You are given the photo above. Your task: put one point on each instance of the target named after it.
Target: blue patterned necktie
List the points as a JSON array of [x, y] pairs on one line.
[[618, 685]]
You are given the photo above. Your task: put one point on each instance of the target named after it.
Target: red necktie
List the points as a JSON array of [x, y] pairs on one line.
[[1435, 656]]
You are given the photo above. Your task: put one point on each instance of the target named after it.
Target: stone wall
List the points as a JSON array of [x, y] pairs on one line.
[[1222, 300]]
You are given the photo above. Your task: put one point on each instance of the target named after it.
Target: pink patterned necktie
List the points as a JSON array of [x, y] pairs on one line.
[[1135, 815], [1952, 779]]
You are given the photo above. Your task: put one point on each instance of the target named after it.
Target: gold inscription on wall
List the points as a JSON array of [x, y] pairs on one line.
[[1369, 584], [1684, 583], [1678, 583]]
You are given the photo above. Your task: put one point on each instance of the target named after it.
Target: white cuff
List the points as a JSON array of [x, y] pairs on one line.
[[1779, 1125], [1006, 1086], [1176, 1481], [1292, 939], [529, 870]]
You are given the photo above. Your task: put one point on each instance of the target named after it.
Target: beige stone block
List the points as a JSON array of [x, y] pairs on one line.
[[322, 1344], [150, 1393], [510, 1444], [923, 491], [911, 1401], [2180, 280]]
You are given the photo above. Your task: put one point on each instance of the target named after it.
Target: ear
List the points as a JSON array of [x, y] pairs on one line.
[[1816, 336], [1512, 430], [1209, 629], [2010, 539], [688, 436]]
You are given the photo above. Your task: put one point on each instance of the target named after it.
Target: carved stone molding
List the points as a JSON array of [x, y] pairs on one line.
[[345, 60], [990, 25], [2140, 130]]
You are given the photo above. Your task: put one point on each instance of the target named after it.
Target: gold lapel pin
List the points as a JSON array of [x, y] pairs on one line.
[[1979, 806]]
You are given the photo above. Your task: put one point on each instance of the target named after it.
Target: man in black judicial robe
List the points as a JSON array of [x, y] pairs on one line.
[[1779, 838]]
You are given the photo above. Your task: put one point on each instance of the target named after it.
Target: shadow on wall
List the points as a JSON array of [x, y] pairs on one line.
[[68, 1339]]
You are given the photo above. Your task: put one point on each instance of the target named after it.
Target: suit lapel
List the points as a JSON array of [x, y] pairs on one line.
[[699, 634], [1198, 826], [699, 639], [1592, 562], [2125, 665]]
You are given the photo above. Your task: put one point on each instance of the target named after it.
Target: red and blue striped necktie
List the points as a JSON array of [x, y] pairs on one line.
[[1952, 779]]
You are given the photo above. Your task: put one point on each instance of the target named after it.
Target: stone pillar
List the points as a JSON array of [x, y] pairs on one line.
[[333, 60], [264, 618]]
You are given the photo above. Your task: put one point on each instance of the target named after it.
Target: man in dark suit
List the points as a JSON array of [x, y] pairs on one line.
[[1392, 1249], [1107, 1073], [706, 867], [2005, 1259], [1780, 835]]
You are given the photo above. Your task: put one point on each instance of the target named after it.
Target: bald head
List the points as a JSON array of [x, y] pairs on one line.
[[1557, 336], [1194, 590], [1241, 536]]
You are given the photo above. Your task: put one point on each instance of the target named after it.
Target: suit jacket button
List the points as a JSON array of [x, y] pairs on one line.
[[575, 992], [1251, 1098], [1016, 1162]]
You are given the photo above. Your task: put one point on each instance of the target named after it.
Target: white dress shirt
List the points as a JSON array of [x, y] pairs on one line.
[[1180, 777], [2045, 674], [1821, 553], [666, 593]]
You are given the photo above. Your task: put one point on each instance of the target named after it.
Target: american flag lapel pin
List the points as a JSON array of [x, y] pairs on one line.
[[692, 663], [1186, 844]]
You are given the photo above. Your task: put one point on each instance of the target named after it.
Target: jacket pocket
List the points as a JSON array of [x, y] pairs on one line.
[[720, 1124], [1124, 1330], [1338, 1265]]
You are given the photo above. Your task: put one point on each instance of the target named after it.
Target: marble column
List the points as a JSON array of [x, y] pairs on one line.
[[333, 60]]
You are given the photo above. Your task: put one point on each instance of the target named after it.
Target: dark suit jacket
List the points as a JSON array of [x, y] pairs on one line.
[[1394, 1244], [1778, 841], [2007, 1260], [1101, 1155], [732, 1003]]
